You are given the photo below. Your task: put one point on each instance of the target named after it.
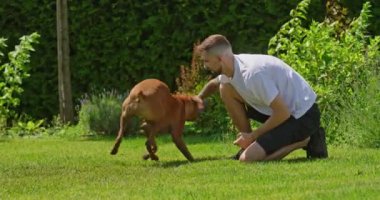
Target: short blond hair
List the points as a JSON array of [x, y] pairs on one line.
[[215, 44]]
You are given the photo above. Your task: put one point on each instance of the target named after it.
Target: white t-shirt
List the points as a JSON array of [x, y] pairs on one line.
[[260, 78]]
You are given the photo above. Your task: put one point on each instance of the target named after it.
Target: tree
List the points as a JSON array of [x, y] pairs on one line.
[[64, 79]]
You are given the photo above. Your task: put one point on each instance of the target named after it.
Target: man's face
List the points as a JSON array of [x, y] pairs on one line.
[[212, 62]]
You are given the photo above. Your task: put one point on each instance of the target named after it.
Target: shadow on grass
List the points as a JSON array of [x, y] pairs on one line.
[[296, 160], [161, 138], [177, 163]]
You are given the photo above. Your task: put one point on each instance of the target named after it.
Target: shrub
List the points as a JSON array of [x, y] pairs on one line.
[[359, 124], [13, 74], [334, 65], [100, 114], [28, 128]]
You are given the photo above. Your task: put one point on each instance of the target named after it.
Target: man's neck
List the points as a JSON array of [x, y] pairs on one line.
[[228, 68]]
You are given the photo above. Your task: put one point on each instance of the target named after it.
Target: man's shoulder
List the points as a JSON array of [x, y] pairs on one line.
[[261, 61], [256, 56]]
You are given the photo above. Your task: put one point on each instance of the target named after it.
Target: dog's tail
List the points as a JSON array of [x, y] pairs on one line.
[[124, 119]]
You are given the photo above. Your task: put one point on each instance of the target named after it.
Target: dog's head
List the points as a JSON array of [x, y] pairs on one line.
[[193, 106]]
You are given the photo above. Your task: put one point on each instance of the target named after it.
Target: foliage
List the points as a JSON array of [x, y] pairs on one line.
[[13, 74], [354, 9], [100, 114], [191, 78], [337, 14], [359, 124], [334, 66], [291, 32], [115, 44], [2, 45], [373, 54], [58, 129], [28, 128], [24, 126], [214, 120]]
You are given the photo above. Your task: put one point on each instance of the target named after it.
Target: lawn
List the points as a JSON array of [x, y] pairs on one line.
[[83, 169]]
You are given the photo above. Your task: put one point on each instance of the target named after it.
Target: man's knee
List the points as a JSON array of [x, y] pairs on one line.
[[247, 159], [228, 92], [253, 153]]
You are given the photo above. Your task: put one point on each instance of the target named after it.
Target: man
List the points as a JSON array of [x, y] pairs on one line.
[[266, 89]]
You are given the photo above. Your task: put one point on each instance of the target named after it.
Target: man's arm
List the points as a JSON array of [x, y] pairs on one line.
[[280, 113], [211, 87]]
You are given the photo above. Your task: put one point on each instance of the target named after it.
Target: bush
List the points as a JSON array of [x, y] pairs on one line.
[[335, 65], [13, 74], [100, 114], [115, 44], [359, 124]]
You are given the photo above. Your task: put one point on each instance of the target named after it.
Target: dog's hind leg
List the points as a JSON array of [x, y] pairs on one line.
[[146, 129], [125, 116], [150, 130], [151, 147]]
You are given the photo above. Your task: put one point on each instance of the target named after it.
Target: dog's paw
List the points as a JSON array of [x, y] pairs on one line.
[[154, 158], [146, 156], [114, 152]]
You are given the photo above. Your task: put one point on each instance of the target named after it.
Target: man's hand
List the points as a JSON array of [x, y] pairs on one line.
[[200, 103], [245, 139]]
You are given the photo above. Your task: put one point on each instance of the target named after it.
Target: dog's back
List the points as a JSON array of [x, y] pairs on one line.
[[147, 100]]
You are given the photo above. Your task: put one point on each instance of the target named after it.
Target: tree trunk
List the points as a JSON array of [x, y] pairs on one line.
[[64, 80]]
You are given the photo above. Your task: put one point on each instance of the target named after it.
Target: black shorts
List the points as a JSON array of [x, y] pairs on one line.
[[289, 132]]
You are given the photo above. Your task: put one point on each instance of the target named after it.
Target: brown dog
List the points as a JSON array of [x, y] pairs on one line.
[[151, 100]]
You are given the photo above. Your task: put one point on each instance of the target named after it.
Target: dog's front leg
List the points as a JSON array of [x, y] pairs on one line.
[[178, 140]]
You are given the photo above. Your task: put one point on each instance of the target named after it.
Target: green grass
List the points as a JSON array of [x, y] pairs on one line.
[[83, 169]]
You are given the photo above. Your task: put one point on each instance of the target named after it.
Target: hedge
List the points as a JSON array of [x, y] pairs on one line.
[[114, 44]]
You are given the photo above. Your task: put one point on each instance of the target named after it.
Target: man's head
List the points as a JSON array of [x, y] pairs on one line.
[[213, 50]]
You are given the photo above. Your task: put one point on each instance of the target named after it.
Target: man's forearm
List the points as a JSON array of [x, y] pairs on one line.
[[272, 122], [280, 113], [211, 87]]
